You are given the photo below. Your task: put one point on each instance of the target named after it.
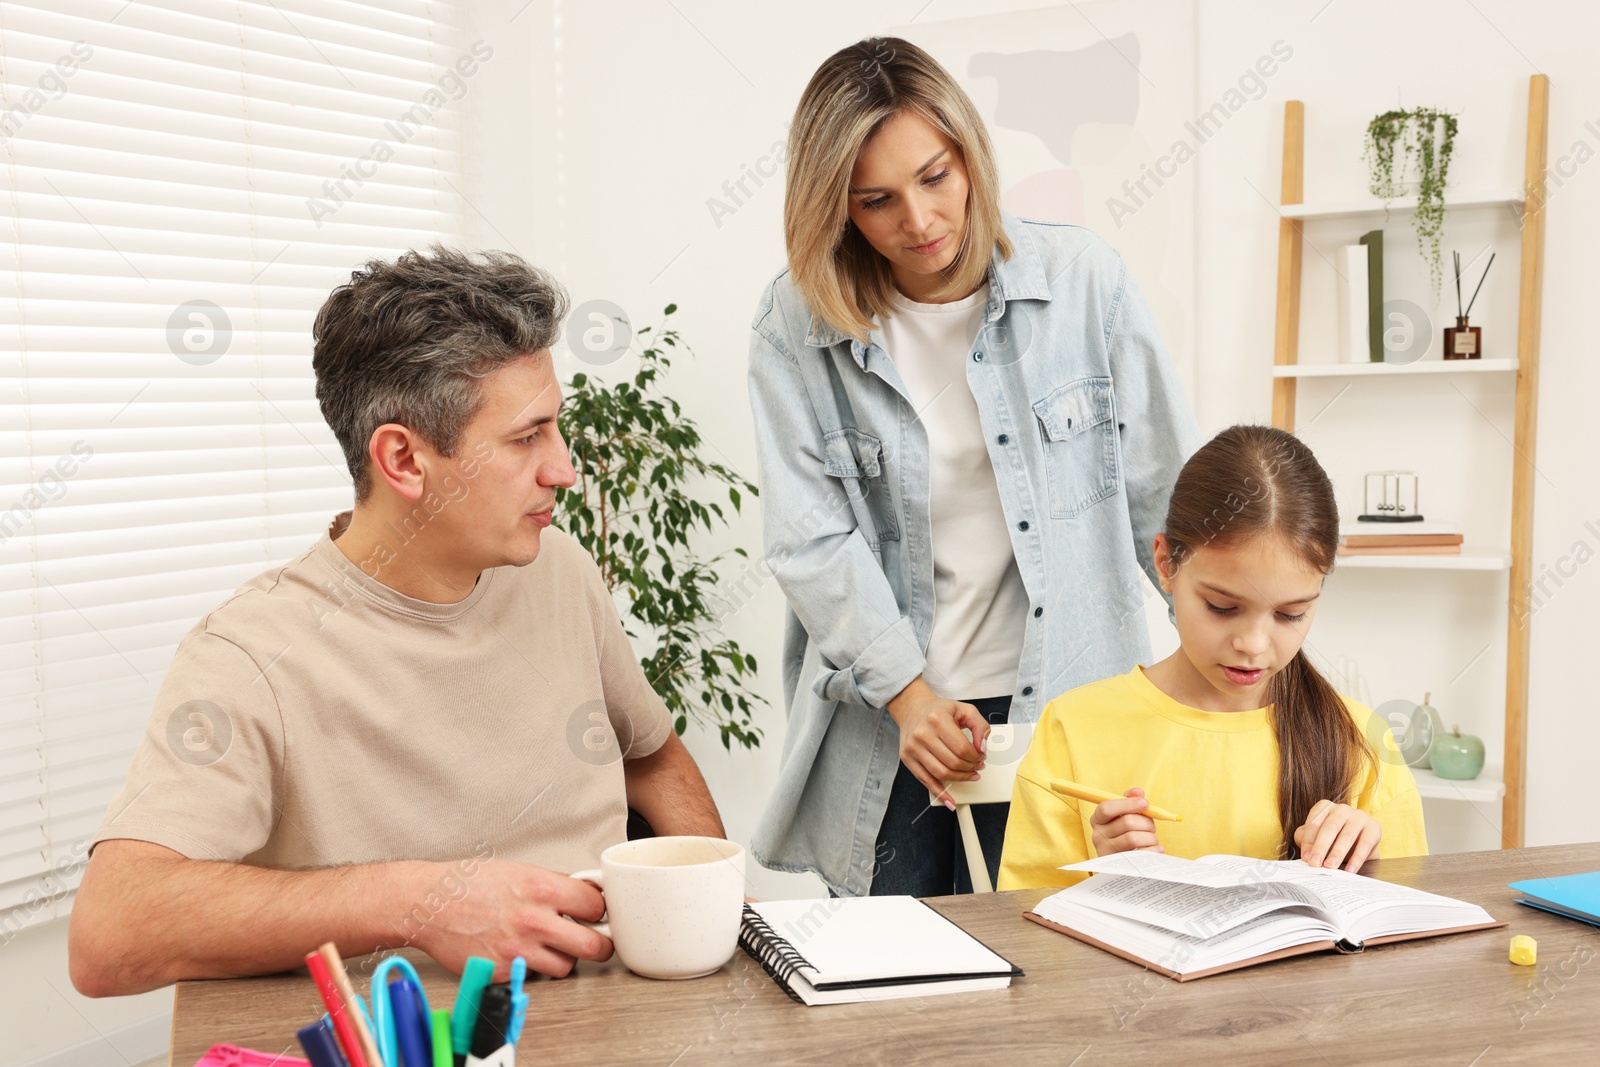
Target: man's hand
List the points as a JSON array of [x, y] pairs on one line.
[[1337, 834], [932, 744], [1122, 826], [517, 909]]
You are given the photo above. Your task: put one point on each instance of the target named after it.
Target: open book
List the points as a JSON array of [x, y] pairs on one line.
[[1193, 918]]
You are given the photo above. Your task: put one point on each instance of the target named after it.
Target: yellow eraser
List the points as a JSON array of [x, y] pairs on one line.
[[1524, 950]]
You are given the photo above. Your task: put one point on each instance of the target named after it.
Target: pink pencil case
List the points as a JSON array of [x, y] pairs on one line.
[[234, 1056]]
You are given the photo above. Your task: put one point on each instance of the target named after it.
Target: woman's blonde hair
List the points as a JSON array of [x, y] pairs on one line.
[[843, 279]]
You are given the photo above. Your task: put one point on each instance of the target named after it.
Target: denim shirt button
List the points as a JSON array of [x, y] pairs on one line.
[[1038, 612], [1023, 525], [1003, 438], [977, 357], [1027, 690]]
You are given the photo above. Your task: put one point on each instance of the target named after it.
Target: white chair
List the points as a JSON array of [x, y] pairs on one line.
[[1007, 745]]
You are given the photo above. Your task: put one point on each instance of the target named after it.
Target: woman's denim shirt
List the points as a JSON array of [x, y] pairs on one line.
[[1087, 427]]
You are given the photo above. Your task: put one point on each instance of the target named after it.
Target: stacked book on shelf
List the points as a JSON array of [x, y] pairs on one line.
[[1399, 539], [1361, 320]]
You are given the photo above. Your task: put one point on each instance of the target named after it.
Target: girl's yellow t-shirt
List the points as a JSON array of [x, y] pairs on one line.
[[1219, 770]]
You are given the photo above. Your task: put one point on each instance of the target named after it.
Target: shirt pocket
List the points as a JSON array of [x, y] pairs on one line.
[[857, 460], [1079, 428]]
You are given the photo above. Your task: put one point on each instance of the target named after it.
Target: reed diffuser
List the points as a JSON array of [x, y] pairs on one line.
[[1463, 341]]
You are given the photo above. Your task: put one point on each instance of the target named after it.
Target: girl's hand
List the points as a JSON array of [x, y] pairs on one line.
[[1337, 834], [1122, 826], [933, 745]]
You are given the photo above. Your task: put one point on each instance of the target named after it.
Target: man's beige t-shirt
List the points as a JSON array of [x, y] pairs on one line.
[[319, 718]]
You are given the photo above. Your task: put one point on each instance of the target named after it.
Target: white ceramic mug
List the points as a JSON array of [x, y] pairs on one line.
[[673, 904]]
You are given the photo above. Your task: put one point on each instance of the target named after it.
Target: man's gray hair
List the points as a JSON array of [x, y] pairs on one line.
[[407, 342]]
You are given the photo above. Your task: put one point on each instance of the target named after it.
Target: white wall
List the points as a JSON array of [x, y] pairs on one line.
[[44, 1019], [659, 105]]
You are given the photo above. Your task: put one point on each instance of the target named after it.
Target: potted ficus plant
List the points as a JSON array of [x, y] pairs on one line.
[[1425, 137], [639, 462]]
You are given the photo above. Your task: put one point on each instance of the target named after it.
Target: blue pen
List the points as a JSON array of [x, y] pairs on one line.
[[384, 1031], [408, 1033], [519, 1000], [319, 1044], [424, 1022]]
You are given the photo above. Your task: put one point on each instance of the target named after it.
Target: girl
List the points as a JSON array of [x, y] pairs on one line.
[[1236, 731], [968, 429]]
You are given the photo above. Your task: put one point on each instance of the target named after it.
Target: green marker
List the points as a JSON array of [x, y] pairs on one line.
[[441, 1039], [469, 993]]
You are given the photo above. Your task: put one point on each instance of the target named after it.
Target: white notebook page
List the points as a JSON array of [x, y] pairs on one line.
[[861, 939]]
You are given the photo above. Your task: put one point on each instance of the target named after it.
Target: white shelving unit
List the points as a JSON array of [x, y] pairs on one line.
[[1526, 204], [1386, 370], [1479, 790], [1470, 559], [1509, 199]]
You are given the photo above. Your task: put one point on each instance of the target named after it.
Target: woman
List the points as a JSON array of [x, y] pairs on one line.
[[968, 428]]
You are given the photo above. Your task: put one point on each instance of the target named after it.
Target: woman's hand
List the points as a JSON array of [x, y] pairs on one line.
[[932, 744], [1337, 834], [1122, 826]]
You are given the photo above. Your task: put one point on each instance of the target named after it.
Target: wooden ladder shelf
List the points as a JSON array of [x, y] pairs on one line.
[[1286, 352]]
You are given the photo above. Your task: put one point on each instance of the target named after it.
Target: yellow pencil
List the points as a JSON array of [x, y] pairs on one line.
[[1100, 796]]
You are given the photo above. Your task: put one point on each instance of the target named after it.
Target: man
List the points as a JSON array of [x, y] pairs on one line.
[[404, 735]]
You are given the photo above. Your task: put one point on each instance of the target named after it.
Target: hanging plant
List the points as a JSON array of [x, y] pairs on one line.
[[637, 457], [1426, 137]]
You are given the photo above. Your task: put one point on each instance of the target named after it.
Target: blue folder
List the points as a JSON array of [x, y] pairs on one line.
[[1577, 896]]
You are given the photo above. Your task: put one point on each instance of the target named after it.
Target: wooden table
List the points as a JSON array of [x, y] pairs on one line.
[[1454, 1000]]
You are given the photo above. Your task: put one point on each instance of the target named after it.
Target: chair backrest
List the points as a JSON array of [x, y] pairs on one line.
[[1008, 743]]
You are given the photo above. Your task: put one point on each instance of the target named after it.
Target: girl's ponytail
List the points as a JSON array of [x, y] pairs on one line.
[[1321, 753]]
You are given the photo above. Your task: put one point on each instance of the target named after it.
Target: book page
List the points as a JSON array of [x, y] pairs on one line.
[[1193, 910], [1346, 900], [1353, 902], [1160, 866], [1357, 907], [1350, 894], [1340, 891]]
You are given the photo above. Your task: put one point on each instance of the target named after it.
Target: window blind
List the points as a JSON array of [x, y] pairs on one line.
[[184, 183]]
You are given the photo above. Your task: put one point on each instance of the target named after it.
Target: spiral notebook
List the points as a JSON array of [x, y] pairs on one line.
[[845, 950]]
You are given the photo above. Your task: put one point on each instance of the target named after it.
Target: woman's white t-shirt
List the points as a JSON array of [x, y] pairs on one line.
[[980, 605]]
